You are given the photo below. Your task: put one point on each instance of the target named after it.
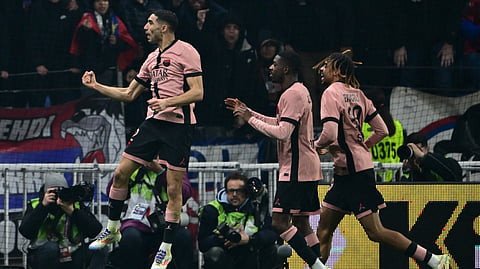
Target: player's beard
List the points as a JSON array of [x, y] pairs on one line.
[[277, 79]]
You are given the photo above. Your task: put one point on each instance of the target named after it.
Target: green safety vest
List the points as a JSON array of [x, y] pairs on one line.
[[235, 220], [43, 235], [143, 189], [142, 202], [385, 151]]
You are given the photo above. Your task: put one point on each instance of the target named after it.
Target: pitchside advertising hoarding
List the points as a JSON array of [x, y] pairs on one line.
[[444, 218]]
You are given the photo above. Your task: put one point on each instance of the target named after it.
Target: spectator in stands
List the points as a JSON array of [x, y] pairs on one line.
[[422, 165], [4, 42], [313, 29], [102, 42], [143, 224], [235, 233], [470, 29], [252, 14], [57, 229], [230, 71], [136, 13], [385, 151], [373, 43], [200, 20], [51, 24], [4, 50], [172, 5], [266, 52], [12, 53], [428, 35]]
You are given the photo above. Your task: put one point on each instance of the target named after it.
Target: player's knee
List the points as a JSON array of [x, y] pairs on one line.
[[279, 226], [323, 236], [120, 177], [303, 225]]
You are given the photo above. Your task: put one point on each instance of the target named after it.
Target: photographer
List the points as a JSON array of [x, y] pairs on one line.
[[230, 236], [143, 224], [421, 165], [57, 226]]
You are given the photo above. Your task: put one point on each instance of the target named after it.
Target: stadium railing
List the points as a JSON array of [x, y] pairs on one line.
[[21, 181]]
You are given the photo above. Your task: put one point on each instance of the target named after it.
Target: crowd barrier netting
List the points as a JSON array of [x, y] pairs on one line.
[[440, 216]]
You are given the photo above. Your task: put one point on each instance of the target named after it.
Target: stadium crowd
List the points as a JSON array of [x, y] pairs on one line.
[[47, 44]]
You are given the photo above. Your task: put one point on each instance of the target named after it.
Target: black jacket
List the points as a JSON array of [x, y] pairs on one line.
[[436, 167], [82, 218]]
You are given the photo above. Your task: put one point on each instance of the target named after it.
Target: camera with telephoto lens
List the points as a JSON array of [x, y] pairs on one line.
[[255, 188], [404, 152], [228, 233], [82, 192]]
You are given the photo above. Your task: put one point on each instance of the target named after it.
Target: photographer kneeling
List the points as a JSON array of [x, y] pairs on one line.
[[235, 229], [421, 165], [57, 223]]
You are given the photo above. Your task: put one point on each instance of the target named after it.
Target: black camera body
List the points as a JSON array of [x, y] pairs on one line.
[[157, 219], [228, 233], [404, 152], [82, 192], [255, 188]]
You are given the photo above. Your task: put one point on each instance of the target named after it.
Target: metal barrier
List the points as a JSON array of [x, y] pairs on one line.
[[19, 181]]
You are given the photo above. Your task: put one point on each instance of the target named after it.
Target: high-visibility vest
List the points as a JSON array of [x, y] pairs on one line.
[[142, 198], [236, 219], [60, 235], [385, 151]]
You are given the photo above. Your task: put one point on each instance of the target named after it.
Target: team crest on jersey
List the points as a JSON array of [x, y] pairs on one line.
[[166, 62]]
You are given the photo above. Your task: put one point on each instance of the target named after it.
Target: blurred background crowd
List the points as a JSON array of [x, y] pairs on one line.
[[431, 45]]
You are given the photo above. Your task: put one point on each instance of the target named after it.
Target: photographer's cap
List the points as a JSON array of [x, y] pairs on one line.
[[55, 180]]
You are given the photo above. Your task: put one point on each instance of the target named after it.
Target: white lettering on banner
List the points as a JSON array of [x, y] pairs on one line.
[[20, 130], [15, 183], [11, 236], [4, 128]]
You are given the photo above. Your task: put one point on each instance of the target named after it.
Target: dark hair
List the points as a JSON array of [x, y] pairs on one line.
[[167, 16], [416, 138], [230, 18], [343, 63], [236, 176], [272, 42], [292, 60]]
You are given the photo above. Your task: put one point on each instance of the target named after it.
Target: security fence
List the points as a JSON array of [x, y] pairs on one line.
[[21, 182]]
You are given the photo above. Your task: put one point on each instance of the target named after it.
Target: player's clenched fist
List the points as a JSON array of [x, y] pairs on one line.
[[88, 79]]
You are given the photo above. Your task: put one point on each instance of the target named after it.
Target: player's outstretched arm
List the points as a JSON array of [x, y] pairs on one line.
[[125, 94], [234, 104]]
